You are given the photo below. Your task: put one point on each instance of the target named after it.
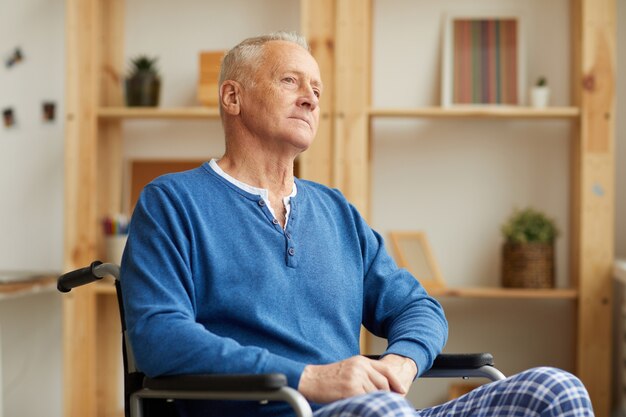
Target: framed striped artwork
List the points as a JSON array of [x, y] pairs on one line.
[[482, 61]]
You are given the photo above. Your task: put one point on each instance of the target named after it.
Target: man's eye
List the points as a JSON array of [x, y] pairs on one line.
[[290, 80], [317, 93]]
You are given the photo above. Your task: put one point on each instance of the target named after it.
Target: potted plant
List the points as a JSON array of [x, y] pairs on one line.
[[528, 250], [540, 93], [143, 83]]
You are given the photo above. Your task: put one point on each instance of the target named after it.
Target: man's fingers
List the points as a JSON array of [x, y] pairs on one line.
[[379, 381], [394, 383]]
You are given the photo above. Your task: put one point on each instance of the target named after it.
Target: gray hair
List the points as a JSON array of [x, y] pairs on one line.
[[239, 61]]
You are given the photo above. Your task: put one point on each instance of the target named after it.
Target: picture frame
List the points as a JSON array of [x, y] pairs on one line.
[[413, 252], [483, 57]]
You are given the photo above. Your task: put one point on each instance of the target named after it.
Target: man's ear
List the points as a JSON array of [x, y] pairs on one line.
[[229, 97]]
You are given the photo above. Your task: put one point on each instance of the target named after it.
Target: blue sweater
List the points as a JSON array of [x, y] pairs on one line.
[[212, 284]]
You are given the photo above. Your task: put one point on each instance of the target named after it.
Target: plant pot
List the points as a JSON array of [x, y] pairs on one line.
[[528, 265], [143, 91], [539, 97]]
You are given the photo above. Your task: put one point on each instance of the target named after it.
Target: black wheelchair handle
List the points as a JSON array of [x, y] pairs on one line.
[[79, 277]]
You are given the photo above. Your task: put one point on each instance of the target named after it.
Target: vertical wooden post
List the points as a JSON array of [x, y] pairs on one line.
[[110, 77], [107, 330], [351, 153], [594, 224], [80, 208], [318, 25], [352, 89], [93, 178], [109, 356]]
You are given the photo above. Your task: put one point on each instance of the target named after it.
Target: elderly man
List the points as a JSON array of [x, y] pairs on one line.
[[238, 267]]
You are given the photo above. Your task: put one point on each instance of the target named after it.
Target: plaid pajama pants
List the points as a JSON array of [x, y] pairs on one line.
[[538, 392]]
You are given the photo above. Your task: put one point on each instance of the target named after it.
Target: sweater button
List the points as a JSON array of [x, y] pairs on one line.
[[275, 221], [288, 235], [292, 251], [261, 203]]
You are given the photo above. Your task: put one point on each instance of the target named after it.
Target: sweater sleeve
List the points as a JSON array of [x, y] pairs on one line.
[[397, 307], [159, 301]]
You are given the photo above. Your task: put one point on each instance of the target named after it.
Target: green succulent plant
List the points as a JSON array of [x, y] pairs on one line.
[[529, 225], [143, 83], [541, 82], [143, 65]]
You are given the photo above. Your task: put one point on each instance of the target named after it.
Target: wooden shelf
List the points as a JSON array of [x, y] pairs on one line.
[[507, 293], [158, 113], [507, 112], [488, 112], [16, 289]]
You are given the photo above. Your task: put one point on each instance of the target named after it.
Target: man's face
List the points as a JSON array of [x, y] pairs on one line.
[[282, 106]]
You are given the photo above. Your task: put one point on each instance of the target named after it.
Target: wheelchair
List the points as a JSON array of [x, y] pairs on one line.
[[154, 397]]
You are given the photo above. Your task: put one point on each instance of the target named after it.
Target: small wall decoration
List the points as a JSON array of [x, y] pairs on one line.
[[48, 111], [15, 57], [482, 61], [414, 253], [8, 116]]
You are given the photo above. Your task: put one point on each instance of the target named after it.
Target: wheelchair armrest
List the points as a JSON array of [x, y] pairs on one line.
[[457, 360], [462, 360], [264, 387], [464, 365], [217, 383]]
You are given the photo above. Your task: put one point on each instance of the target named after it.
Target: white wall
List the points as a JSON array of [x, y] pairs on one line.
[[31, 186], [31, 153], [30, 329]]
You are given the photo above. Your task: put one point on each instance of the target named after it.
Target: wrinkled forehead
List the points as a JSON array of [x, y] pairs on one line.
[[283, 56]]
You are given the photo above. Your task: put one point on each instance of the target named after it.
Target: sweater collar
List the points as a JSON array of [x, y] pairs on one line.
[[262, 192]]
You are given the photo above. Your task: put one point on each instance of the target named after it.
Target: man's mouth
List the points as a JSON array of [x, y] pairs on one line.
[[301, 119]]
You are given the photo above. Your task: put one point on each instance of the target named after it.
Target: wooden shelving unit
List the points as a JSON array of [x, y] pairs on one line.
[[592, 113], [339, 32]]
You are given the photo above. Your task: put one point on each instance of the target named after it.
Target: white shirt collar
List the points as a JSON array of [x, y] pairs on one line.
[[262, 192]]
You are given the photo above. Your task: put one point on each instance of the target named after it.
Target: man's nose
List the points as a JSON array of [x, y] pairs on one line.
[[308, 99]]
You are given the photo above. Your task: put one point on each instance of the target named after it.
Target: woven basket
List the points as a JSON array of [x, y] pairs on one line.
[[528, 265]]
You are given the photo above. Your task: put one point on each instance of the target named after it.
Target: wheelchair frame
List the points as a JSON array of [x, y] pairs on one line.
[[263, 388]]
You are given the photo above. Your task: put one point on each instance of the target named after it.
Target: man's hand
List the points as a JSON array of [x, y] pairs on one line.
[[355, 376]]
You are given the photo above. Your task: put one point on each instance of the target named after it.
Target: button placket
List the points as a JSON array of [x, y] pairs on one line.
[[290, 245]]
